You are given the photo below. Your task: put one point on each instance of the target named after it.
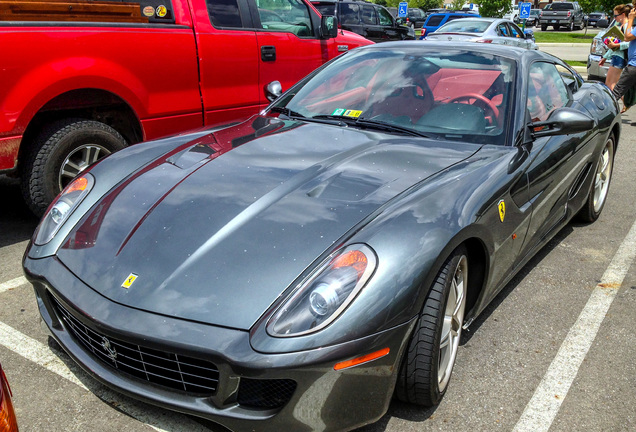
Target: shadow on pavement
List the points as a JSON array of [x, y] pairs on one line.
[[17, 223]]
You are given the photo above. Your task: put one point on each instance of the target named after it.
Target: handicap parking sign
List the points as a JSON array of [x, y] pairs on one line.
[[402, 9], [524, 10]]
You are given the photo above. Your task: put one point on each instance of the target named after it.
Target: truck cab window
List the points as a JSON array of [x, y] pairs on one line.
[[285, 15], [224, 13]]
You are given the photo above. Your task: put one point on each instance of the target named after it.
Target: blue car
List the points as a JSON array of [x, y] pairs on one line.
[[436, 20]]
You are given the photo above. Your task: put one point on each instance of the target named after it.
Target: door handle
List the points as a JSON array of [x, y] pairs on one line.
[[268, 53]]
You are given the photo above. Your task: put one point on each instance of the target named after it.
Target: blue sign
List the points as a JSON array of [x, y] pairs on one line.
[[524, 10], [403, 9]]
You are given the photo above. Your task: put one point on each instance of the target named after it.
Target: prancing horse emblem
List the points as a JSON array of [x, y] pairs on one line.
[[111, 352]]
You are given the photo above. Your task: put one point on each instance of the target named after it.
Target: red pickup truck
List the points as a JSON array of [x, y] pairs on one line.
[[81, 79]]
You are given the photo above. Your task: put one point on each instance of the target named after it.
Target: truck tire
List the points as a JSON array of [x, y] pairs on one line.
[[571, 26], [556, 27], [62, 150], [544, 27]]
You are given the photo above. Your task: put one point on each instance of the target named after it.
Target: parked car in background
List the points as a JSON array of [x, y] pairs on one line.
[[533, 20], [597, 50], [594, 17], [8, 422], [513, 14], [568, 15], [436, 20], [369, 20], [416, 17], [485, 30], [88, 89]]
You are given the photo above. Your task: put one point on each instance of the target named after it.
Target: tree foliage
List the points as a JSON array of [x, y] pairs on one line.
[[422, 4], [493, 8]]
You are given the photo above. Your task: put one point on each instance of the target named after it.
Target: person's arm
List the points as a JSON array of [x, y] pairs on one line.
[[629, 36]]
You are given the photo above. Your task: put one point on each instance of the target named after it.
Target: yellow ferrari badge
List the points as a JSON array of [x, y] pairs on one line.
[[129, 281], [502, 210]]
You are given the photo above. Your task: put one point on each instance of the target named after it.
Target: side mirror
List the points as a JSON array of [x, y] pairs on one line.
[[328, 27], [602, 23], [400, 21], [273, 91], [529, 34], [562, 121]]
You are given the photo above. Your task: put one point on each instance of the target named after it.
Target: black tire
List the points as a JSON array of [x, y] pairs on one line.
[[426, 365], [544, 27], [556, 27], [74, 143], [597, 196]]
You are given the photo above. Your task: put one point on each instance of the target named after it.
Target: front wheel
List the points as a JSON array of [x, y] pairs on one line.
[[600, 184], [63, 150], [430, 356]]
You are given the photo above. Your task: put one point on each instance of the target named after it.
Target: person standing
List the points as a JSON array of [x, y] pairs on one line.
[[617, 52], [628, 77]]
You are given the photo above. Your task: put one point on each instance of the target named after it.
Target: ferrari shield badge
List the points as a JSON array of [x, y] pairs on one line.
[[502, 210], [129, 281]]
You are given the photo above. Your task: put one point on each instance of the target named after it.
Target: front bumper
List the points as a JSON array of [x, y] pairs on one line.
[[324, 399], [593, 69]]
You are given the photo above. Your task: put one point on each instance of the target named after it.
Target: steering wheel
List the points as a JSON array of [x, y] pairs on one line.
[[471, 98]]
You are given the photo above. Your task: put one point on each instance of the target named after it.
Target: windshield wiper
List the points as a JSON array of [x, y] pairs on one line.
[[289, 113], [377, 125]]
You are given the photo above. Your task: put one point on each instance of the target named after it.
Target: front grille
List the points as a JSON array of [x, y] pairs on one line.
[[164, 368], [265, 393]]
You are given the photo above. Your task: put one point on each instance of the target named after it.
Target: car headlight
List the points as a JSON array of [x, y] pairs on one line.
[[62, 207], [328, 291]]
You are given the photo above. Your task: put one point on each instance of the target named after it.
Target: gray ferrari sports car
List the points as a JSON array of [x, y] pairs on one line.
[[297, 271]]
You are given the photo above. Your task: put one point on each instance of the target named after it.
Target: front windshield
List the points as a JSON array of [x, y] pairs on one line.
[[453, 94], [464, 26]]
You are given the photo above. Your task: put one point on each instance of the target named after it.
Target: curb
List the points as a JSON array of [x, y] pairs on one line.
[[554, 44]]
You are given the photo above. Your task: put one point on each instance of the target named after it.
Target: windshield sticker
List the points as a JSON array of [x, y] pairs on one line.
[[162, 11], [346, 113], [149, 11]]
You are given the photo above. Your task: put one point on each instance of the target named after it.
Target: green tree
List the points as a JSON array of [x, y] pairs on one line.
[[457, 4], [493, 8], [422, 4]]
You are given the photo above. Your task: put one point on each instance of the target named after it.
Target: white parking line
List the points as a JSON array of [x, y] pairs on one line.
[[13, 283], [547, 399], [158, 419]]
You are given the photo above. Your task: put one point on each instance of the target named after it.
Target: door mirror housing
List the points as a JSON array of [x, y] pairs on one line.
[[562, 121], [273, 91], [328, 27]]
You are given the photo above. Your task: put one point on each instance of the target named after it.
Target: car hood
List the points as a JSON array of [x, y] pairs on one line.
[[217, 229]]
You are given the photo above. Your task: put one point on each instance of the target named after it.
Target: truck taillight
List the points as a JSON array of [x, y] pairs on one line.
[[569, 14]]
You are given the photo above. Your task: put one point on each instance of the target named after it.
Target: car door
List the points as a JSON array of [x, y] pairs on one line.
[[288, 42], [554, 162], [370, 24], [517, 36], [228, 76]]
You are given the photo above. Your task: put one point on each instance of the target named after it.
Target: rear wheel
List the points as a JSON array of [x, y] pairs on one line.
[[571, 26], [544, 27], [556, 27], [64, 149], [428, 362], [600, 184]]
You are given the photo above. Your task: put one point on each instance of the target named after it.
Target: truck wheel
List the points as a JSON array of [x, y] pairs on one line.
[[556, 27], [571, 26], [430, 356], [64, 149], [544, 27]]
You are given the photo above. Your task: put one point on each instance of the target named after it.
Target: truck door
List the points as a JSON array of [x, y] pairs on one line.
[[289, 45], [228, 60]]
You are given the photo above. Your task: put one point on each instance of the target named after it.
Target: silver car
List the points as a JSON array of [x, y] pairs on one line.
[[486, 30], [597, 49]]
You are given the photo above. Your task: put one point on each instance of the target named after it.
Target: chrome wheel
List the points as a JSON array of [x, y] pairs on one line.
[[78, 160], [453, 321], [603, 175]]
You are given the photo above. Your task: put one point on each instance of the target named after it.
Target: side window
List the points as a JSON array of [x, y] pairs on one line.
[[385, 17], [516, 31], [369, 15], [349, 13], [546, 91], [571, 79], [502, 30], [290, 16], [224, 13]]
